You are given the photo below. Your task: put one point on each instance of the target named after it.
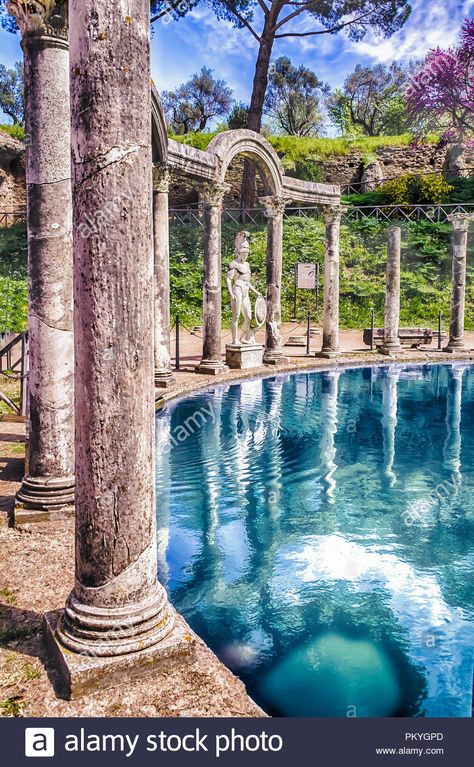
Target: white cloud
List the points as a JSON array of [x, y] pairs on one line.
[[431, 25]]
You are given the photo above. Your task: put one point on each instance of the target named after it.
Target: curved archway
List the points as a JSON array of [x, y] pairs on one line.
[[226, 146], [159, 132]]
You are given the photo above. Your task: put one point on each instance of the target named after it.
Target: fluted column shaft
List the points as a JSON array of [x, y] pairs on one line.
[[212, 195], [117, 606], [49, 484], [332, 220], [274, 207], [460, 222], [163, 374], [391, 341]]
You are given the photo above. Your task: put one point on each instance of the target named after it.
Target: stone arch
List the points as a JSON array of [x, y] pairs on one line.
[[226, 146], [159, 132]]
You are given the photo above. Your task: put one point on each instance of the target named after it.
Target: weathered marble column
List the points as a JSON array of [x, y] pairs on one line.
[[460, 222], [274, 209], [211, 196], [48, 488], [332, 219], [117, 619], [391, 341], [452, 442], [163, 374]]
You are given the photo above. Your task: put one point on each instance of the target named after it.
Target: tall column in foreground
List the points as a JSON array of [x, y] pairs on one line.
[[460, 222], [332, 219], [117, 619], [212, 195], [163, 375], [274, 210], [48, 488], [391, 341]]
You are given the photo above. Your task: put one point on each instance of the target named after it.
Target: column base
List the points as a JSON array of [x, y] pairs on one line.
[[455, 346], [328, 354], [79, 675], [212, 367], [164, 378], [274, 357], [389, 349], [42, 498]]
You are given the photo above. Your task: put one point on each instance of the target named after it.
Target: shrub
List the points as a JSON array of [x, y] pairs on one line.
[[15, 131], [411, 189]]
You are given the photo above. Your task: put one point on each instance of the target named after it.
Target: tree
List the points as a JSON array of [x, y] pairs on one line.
[[239, 116], [12, 93], [356, 17], [193, 104], [442, 91], [293, 98], [372, 101]]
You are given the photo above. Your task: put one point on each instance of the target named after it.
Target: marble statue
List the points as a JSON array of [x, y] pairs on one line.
[[239, 285]]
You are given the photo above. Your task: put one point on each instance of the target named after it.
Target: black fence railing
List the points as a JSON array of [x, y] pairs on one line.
[[10, 217]]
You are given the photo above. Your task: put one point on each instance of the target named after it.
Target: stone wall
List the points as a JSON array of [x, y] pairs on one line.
[[12, 174]]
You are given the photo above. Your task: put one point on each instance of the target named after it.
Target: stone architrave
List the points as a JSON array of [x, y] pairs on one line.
[[211, 197], [48, 488], [332, 219], [118, 623], [460, 223], [274, 206], [163, 373], [391, 341]]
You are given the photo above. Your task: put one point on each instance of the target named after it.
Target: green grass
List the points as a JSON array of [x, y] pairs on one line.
[[8, 596], [13, 278], [294, 148], [15, 131], [11, 706]]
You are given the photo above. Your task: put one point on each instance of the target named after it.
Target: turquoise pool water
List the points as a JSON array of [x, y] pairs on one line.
[[317, 530]]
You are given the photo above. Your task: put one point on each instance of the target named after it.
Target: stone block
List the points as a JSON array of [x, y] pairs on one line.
[[244, 357], [79, 675]]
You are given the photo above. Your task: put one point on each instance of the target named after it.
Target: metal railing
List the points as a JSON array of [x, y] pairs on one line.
[[433, 213], [10, 217]]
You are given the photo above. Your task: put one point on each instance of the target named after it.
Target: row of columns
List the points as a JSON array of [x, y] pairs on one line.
[[391, 342], [117, 617]]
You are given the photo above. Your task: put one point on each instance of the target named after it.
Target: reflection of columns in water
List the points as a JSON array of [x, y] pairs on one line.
[[211, 452], [273, 447], [163, 477], [389, 421], [329, 391], [452, 443]]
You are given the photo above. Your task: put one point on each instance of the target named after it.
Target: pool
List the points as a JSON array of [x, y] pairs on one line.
[[317, 531]]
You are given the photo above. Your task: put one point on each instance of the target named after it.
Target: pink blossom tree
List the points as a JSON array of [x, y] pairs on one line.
[[441, 93]]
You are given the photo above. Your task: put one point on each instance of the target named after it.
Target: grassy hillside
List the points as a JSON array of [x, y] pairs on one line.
[[425, 282], [298, 148]]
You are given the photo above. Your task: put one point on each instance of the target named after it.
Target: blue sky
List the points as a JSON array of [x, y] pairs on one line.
[[180, 48]]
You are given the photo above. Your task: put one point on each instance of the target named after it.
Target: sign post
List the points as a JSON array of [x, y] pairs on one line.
[[306, 278]]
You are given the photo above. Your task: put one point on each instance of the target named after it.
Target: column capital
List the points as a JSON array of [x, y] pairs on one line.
[[161, 178], [213, 192], [40, 18], [460, 221], [332, 213], [274, 205]]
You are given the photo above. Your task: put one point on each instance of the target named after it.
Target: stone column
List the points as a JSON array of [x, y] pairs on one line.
[[391, 342], [163, 374], [460, 222], [274, 209], [212, 195], [332, 219], [117, 619], [48, 487]]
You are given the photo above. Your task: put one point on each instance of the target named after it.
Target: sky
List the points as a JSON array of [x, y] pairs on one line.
[[180, 48]]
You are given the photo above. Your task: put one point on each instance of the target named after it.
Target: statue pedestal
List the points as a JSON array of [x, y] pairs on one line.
[[244, 357]]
